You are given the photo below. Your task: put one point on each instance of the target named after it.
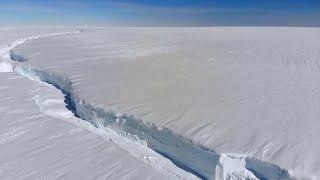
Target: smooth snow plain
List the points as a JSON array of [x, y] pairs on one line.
[[218, 102]]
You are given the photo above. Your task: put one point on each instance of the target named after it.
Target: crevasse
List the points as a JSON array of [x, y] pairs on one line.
[[190, 157]]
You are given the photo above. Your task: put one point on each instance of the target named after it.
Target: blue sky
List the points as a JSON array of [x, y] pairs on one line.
[[161, 12]]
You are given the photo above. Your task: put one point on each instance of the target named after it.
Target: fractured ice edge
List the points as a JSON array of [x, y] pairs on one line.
[[160, 147]]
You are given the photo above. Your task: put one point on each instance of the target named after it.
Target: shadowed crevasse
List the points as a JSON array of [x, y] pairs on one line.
[[190, 157]]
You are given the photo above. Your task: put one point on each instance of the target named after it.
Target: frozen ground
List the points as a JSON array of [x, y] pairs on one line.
[[242, 96]]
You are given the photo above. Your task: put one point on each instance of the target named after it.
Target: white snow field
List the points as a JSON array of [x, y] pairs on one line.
[[219, 103]]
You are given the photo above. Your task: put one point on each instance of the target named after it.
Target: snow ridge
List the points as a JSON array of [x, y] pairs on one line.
[[196, 159]]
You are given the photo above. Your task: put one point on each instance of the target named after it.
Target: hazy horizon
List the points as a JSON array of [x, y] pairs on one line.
[[175, 13]]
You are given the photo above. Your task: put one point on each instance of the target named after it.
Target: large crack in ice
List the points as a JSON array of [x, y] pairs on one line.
[[160, 144]]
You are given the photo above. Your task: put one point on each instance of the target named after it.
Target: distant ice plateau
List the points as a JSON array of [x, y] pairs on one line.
[[210, 103]]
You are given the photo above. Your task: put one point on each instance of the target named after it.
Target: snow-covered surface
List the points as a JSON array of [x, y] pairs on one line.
[[34, 145], [246, 91]]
